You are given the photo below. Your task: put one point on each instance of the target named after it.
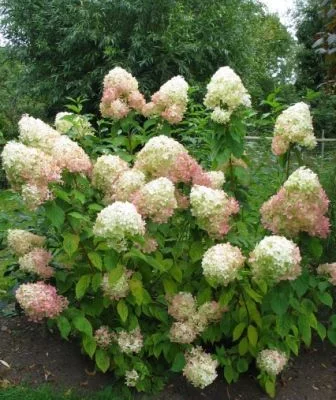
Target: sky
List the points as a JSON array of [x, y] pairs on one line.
[[281, 7]]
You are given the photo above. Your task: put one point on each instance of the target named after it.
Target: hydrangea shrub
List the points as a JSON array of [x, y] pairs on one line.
[[146, 255]]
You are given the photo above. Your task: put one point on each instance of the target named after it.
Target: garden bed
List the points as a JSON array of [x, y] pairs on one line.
[[36, 357]]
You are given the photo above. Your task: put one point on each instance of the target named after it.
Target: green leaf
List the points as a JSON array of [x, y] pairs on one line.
[[96, 281], [321, 330], [252, 335], [315, 248], [279, 302], [70, 243], [304, 328], [242, 365], [122, 310], [169, 286], [64, 326], [83, 325], [332, 336], [292, 344], [325, 298], [243, 346], [238, 330], [82, 286], [115, 274], [270, 388], [179, 363], [196, 251], [96, 260], [228, 373], [55, 214], [102, 360], [89, 345], [137, 290]]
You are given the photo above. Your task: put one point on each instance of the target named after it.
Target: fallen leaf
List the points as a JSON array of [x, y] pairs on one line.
[[93, 373], [5, 363]]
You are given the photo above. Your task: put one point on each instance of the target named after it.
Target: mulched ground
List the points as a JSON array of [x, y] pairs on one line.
[[36, 356]]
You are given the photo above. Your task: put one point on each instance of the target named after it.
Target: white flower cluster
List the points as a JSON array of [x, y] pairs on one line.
[[294, 125], [131, 378], [119, 77], [217, 179], [22, 242], [222, 262], [303, 180], [106, 171], [156, 200], [79, 124], [225, 93], [117, 223], [206, 202], [200, 368], [275, 258], [158, 156], [271, 361], [130, 342], [118, 289], [36, 133]]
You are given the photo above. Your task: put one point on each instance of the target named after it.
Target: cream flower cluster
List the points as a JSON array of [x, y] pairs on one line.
[[118, 289], [131, 378], [221, 263], [37, 262], [275, 259], [78, 124], [130, 342], [156, 200], [127, 184], [328, 269], [217, 179], [121, 94], [106, 171], [303, 180], [293, 126], [40, 301], [212, 209], [103, 337], [271, 361], [225, 93], [170, 101], [190, 320], [200, 368], [159, 156], [21, 242], [117, 223]]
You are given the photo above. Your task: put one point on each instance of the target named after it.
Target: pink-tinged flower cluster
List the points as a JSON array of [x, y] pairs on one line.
[[33, 195], [103, 337], [299, 206], [120, 95], [190, 321], [328, 269], [170, 102], [212, 209], [106, 171], [225, 93], [275, 259], [156, 200], [37, 262], [127, 184], [293, 126], [221, 263], [271, 361], [21, 242], [40, 300], [200, 368], [130, 342], [149, 246]]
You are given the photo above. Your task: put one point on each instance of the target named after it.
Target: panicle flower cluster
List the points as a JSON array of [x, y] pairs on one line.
[[40, 300], [127, 184], [271, 361], [328, 269], [149, 246], [159, 156], [106, 171], [212, 209], [170, 101], [103, 337], [156, 200], [33, 195], [130, 342], [120, 95], [275, 259], [225, 93], [117, 223], [221, 263], [131, 378], [36, 133], [22, 242], [37, 262], [293, 126], [118, 289], [78, 124], [190, 320], [299, 206], [217, 179], [200, 368]]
